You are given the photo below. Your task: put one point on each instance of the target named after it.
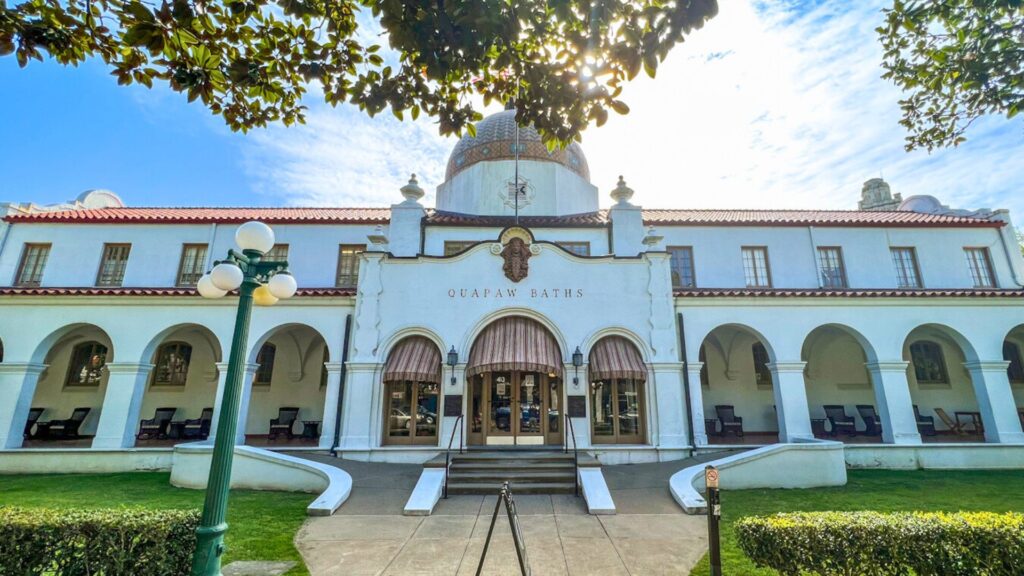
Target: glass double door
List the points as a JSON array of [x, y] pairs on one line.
[[515, 408]]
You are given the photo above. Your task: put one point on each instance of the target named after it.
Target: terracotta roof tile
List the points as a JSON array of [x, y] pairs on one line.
[[840, 218], [808, 218], [211, 215], [850, 293], [587, 219], [91, 291]]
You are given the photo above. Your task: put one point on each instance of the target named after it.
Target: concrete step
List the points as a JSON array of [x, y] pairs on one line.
[[513, 466], [523, 476], [495, 487]]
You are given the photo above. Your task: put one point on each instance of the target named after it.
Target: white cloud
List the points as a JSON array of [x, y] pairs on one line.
[[770, 105]]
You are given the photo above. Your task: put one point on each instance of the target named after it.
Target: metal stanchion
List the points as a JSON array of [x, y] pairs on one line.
[[714, 514]]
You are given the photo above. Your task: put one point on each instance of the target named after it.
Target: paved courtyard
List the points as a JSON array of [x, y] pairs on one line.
[[369, 535]]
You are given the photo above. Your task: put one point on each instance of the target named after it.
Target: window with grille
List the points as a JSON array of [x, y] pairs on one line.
[[193, 261], [452, 247], [1011, 354], [279, 253], [762, 374], [577, 248], [33, 261], [265, 359], [348, 265], [755, 267], [980, 264], [172, 360], [681, 262], [929, 362], [112, 265], [86, 366], [830, 266], [908, 274]]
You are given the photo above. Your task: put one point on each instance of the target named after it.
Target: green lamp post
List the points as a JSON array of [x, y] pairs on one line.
[[263, 283]]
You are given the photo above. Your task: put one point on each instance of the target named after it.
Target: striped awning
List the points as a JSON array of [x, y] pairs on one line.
[[515, 343], [415, 358], [616, 357]]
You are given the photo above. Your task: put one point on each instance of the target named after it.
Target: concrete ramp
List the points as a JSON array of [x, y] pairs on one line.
[[804, 464]]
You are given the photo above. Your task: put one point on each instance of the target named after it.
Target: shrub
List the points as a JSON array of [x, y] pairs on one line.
[[123, 542], [855, 543]]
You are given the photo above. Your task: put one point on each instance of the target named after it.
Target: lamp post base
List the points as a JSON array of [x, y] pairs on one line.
[[209, 550]]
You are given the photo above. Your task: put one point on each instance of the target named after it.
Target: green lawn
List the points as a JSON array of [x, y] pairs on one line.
[[261, 524], [882, 491]]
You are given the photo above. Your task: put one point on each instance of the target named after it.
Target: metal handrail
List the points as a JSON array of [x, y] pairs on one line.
[[448, 453], [575, 453]]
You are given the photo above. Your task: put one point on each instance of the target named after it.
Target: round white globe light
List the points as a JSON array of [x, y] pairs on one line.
[[282, 285], [255, 236], [262, 296], [207, 289], [226, 276]]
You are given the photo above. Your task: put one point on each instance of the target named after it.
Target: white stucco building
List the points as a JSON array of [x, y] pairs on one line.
[[907, 307]]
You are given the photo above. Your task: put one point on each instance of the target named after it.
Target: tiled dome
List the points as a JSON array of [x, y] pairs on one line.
[[495, 140]]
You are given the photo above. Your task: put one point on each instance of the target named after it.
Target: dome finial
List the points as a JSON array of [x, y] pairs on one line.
[[412, 190], [622, 193]]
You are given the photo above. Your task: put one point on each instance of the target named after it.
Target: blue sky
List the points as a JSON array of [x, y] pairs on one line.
[[772, 105]]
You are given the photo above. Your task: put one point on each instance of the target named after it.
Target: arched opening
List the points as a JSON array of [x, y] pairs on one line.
[[178, 403], [941, 387], [69, 393], [618, 376], [288, 389], [737, 389], [1013, 352], [840, 396], [412, 393], [514, 383]]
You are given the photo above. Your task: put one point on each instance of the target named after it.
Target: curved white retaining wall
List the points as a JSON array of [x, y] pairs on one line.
[[83, 460], [965, 456], [807, 464], [257, 469]]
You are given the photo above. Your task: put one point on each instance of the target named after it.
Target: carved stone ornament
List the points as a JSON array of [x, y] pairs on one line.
[[517, 255]]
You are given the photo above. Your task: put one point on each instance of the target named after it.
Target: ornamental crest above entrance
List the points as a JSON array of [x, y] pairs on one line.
[[516, 248]]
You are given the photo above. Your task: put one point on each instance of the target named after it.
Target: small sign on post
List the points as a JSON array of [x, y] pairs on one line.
[[714, 515]]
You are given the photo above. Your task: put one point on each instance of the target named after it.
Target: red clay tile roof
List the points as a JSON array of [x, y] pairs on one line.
[[840, 218], [587, 219], [850, 293], [211, 215], [90, 291], [848, 218]]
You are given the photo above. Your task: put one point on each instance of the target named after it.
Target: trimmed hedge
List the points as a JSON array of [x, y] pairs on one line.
[[123, 542], [855, 543]]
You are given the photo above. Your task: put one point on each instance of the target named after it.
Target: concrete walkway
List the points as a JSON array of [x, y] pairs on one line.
[[369, 535]]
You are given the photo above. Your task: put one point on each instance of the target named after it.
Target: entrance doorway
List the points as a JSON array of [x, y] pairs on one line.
[[515, 408]]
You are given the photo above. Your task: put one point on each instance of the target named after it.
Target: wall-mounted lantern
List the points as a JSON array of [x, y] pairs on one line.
[[577, 361], [453, 359]]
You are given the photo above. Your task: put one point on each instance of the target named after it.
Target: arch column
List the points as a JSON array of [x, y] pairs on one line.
[[580, 425], [995, 401], [790, 394], [357, 419], [700, 435], [17, 387], [119, 414], [668, 390], [249, 372], [330, 417], [895, 407], [447, 426]]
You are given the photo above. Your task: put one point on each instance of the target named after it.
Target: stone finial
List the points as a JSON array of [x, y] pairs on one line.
[[652, 239], [622, 193], [378, 240], [412, 190]]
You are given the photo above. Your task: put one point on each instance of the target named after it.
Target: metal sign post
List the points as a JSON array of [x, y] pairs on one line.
[[714, 514], [505, 497]]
